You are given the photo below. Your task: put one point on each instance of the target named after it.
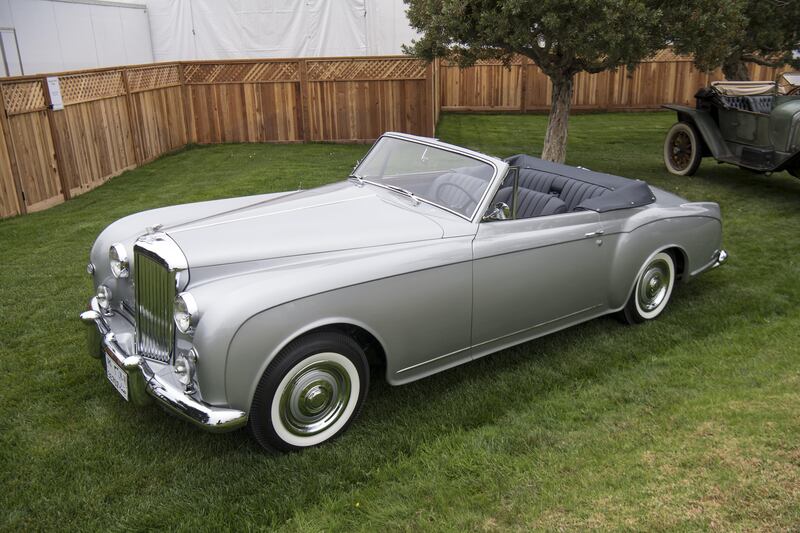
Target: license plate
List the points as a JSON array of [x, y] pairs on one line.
[[117, 377]]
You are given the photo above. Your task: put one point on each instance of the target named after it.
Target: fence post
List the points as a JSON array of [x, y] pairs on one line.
[[430, 85], [57, 148], [133, 127], [305, 118], [188, 121], [12, 156]]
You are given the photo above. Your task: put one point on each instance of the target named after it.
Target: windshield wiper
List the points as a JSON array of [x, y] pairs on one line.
[[401, 190]]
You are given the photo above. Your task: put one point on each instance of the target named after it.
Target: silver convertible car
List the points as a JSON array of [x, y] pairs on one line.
[[269, 311]]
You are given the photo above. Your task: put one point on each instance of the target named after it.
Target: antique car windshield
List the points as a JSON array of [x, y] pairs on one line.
[[434, 175]]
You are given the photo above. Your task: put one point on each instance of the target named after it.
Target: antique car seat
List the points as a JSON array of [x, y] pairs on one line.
[[531, 203], [761, 104]]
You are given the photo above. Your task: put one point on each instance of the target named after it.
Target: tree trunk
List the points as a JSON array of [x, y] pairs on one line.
[[735, 69], [555, 140]]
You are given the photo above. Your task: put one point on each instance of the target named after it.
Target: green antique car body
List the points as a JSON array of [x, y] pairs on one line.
[[754, 125]]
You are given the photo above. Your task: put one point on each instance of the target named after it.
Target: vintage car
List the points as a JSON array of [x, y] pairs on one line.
[[752, 124], [270, 311]]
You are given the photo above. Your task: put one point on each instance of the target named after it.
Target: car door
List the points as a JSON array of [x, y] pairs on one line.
[[534, 275]]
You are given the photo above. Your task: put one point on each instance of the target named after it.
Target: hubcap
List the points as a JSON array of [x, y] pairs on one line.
[[654, 285], [315, 398]]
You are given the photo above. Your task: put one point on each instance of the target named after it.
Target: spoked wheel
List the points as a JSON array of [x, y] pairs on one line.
[[682, 149], [652, 291], [311, 392]]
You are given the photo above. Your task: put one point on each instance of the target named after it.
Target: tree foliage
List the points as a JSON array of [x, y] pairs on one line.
[[563, 38], [732, 33]]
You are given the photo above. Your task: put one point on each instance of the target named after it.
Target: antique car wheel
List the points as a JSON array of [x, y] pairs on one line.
[[682, 149], [310, 393], [652, 290]]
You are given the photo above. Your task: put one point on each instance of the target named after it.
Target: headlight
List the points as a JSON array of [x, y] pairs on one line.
[[185, 369], [118, 259], [186, 314], [103, 297]]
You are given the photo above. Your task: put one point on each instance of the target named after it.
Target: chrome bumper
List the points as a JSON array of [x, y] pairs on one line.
[[722, 256], [144, 385], [719, 258]]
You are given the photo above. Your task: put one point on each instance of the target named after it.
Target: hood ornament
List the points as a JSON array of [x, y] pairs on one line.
[[153, 229]]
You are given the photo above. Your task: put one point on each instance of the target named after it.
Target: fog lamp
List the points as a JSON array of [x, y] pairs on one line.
[[185, 369], [103, 297]]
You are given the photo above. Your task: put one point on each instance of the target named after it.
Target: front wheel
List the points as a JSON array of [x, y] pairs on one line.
[[652, 290], [682, 149], [310, 393]]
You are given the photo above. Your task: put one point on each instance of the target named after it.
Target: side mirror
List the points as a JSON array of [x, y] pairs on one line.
[[501, 211]]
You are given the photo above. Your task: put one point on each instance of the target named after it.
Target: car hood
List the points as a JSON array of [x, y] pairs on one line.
[[337, 217]]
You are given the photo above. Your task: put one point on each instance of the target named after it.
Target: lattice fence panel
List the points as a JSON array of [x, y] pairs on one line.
[[272, 71], [91, 86], [149, 78], [366, 69], [515, 61], [23, 97]]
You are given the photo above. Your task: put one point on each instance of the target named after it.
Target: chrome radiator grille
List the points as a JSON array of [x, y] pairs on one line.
[[155, 294]]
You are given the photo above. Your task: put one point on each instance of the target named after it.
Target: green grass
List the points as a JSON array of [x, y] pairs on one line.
[[690, 422]]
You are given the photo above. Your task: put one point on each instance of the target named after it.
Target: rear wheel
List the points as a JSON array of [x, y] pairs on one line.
[[682, 149], [795, 170], [652, 290], [310, 393]]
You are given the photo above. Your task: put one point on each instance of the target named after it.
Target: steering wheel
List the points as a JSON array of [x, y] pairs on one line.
[[468, 194]]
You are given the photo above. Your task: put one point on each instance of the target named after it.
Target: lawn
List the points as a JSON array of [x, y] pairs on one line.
[[689, 422]]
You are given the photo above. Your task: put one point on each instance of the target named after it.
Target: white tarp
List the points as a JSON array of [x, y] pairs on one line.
[[214, 29], [62, 35]]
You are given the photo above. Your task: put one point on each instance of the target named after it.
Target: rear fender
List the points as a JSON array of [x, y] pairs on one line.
[[706, 127]]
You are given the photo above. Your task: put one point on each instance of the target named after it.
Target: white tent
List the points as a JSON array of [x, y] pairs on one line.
[[214, 29], [54, 35]]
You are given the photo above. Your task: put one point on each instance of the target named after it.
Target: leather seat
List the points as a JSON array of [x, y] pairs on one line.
[[761, 104], [571, 191], [460, 192], [532, 203]]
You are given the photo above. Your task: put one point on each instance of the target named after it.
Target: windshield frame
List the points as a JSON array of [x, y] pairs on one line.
[[497, 165]]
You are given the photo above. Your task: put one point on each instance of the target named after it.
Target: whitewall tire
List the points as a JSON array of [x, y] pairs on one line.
[[652, 290], [310, 393]]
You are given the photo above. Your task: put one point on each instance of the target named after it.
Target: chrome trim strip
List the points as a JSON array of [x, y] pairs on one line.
[[498, 338], [539, 325], [432, 360]]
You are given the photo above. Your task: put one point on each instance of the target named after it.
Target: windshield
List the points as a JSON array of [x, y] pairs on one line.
[[434, 175]]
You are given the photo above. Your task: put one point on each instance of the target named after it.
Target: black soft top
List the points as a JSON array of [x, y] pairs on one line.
[[581, 188]]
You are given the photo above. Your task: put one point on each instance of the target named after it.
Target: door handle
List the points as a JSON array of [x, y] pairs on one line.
[[596, 233]]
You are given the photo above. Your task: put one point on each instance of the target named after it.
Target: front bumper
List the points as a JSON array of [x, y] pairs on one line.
[[145, 385]]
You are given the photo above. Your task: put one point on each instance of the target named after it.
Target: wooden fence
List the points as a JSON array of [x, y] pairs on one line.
[[116, 119], [523, 87]]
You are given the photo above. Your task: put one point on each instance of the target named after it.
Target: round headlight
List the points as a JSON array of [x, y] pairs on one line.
[[118, 260], [103, 297], [185, 314]]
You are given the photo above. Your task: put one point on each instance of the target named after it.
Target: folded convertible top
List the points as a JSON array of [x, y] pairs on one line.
[[601, 192]]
